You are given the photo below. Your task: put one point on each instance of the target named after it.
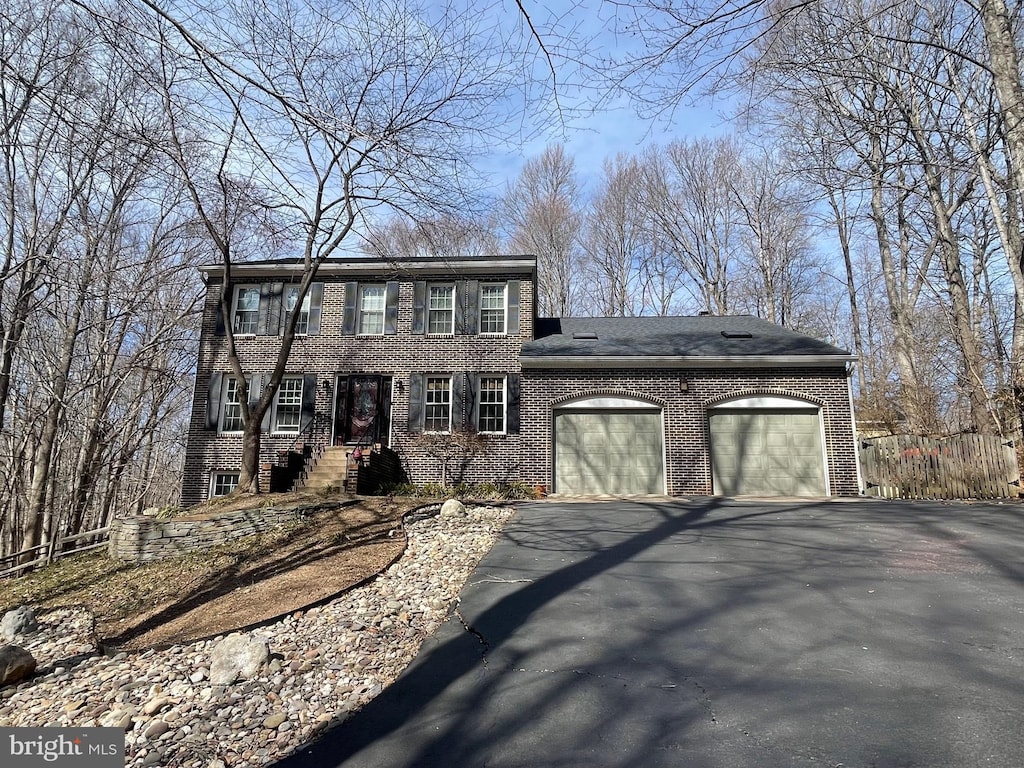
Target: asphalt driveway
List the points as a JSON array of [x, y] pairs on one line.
[[720, 633]]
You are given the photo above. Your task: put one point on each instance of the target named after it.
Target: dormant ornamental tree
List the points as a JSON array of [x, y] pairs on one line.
[[302, 120]]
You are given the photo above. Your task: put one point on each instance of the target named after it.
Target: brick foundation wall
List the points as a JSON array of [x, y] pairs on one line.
[[687, 448]]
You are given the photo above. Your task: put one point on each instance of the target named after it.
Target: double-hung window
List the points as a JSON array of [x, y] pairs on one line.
[[491, 405], [246, 313], [288, 412], [231, 413], [437, 410], [291, 299], [492, 308], [441, 309], [371, 309]]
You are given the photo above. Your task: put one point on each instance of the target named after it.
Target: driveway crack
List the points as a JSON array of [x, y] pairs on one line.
[[485, 646]]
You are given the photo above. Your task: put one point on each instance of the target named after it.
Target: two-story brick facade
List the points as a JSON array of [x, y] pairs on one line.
[[390, 352]]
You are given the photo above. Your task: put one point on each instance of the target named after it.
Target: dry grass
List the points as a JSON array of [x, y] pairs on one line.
[[249, 581]]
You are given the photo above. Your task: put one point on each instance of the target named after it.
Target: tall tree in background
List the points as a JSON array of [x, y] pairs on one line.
[[544, 212]]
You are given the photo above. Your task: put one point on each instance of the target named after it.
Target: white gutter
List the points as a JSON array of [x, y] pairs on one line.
[[685, 361]]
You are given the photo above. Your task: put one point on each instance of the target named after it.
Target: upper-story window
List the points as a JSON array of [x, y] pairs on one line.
[[371, 309], [245, 316], [441, 309], [493, 306], [291, 298]]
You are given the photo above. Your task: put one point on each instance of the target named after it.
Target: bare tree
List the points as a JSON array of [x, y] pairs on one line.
[[544, 211]]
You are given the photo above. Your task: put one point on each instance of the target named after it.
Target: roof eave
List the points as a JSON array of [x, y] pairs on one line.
[[497, 267], [686, 361]]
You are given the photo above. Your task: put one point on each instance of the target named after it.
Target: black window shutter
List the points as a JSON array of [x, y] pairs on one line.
[[513, 308], [459, 415], [308, 401], [275, 309], [316, 305], [391, 308], [218, 320], [257, 384], [213, 393], [472, 387], [263, 319], [415, 403], [419, 307], [460, 307], [472, 307], [349, 313], [512, 384]]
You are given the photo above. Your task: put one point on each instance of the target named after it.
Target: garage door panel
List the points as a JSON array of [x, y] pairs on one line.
[[767, 453], [609, 452]]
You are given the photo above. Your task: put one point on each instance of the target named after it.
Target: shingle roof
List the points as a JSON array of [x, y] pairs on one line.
[[712, 336]]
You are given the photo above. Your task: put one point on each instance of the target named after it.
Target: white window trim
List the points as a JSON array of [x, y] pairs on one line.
[[213, 483], [304, 309], [455, 299], [504, 309], [426, 403], [234, 308], [224, 408], [273, 418], [383, 311], [504, 406]]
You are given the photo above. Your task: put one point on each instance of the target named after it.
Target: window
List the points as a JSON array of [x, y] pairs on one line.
[[441, 309], [371, 309], [231, 417], [291, 298], [438, 404], [491, 408], [288, 413], [492, 308], [223, 483], [246, 316]]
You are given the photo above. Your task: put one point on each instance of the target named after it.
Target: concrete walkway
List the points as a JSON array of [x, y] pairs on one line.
[[720, 633]]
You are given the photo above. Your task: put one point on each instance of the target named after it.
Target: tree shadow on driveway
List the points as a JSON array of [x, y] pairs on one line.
[[569, 662]]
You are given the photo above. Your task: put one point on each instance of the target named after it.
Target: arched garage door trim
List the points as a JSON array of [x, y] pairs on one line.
[[608, 443], [768, 445]]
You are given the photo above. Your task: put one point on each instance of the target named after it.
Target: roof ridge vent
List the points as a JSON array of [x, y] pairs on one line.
[[738, 334], [584, 335]]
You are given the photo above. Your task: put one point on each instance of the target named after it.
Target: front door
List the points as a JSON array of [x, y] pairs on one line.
[[362, 409]]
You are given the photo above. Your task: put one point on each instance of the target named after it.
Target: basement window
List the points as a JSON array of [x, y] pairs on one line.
[[223, 483]]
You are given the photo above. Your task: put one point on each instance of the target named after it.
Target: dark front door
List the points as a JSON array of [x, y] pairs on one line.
[[362, 410]]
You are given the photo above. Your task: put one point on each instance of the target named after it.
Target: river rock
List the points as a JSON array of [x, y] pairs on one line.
[[16, 664], [237, 657], [20, 621]]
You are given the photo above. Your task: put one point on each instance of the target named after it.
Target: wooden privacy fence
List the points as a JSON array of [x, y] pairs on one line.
[[47, 553], [958, 467]]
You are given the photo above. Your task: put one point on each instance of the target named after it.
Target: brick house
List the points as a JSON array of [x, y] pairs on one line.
[[392, 356]]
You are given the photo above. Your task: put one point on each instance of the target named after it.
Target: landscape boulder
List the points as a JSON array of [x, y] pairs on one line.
[[237, 657], [20, 621], [453, 508], [16, 664]]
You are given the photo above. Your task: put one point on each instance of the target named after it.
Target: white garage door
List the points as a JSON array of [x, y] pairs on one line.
[[609, 452], [767, 453]]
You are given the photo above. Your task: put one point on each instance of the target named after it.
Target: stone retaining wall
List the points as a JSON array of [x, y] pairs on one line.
[[143, 539]]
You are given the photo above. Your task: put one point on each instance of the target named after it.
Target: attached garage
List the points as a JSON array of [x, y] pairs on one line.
[[767, 447], [609, 446]]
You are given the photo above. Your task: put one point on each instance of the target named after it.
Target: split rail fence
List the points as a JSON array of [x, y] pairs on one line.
[[43, 554], [959, 467]]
